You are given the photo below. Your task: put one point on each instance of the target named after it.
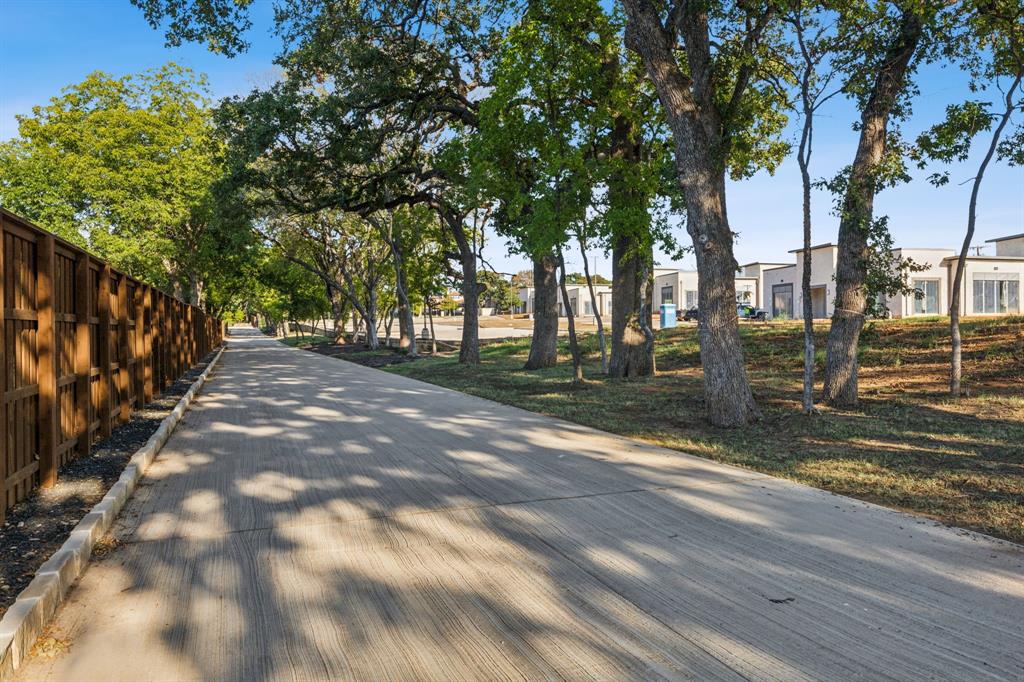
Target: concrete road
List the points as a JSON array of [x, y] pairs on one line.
[[317, 520], [450, 329]]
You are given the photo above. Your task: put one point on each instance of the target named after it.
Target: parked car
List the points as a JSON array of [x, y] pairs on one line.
[[687, 315], [745, 311]]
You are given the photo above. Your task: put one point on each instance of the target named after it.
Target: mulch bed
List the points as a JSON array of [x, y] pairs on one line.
[[36, 527], [359, 354]]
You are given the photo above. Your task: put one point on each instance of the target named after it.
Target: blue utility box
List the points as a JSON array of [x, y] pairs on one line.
[[668, 315]]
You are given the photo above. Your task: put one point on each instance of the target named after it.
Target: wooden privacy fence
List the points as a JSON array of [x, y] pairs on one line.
[[82, 346]]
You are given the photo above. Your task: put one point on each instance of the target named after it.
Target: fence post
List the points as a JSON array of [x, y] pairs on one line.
[[3, 373], [139, 347], [147, 344], [163, 342], [179, 336], [103, 341], [83, 356], [191, 331], [47, 371], [162, 348], [122, 347]]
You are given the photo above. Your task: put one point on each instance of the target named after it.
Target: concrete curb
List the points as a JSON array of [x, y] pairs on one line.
[[35, 606]]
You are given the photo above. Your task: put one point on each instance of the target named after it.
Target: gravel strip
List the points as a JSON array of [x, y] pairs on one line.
[[36, 527]]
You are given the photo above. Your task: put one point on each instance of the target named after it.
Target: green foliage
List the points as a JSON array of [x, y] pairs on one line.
[[886, 273], [125, 166], [580, 278], [990, 46], [498, 291], [523, 278], [217, 23], [289, 292], [567, 103]]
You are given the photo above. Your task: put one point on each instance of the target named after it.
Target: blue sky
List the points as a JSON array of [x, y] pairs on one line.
[[47, 44]]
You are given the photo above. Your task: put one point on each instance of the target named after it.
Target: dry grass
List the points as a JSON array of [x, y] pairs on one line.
[[907, 445]]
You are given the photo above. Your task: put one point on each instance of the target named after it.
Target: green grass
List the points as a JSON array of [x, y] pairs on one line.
[[305, 340], [907, 445]]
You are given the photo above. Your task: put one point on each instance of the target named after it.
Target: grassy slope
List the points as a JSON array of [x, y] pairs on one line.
[[907, 445]]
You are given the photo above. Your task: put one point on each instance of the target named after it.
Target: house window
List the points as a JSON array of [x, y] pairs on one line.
[[586, 308], [666, 294], [744, 295], [782, 301], [691, 299], [994, 295], [926, 300]]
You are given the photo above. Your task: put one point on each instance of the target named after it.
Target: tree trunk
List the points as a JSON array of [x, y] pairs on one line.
[[544, 344], [631, 353], [594, 306], [696, 128], [574, 347], [339, 313], [469, 349], [430, 316], [370, 321], [389, 318], [195, 289], [855, 220], [406, 324], [955, 364], [803, 157]]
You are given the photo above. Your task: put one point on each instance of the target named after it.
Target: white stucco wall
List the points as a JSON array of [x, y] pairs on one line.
[[786, 275], [823, 273], [747, 290], [1011, 247], [525, 295], [1000, 268], [903, 305], [680, 281]]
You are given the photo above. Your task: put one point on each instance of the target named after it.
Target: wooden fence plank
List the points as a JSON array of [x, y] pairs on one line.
[[190, 332], [147, 344], [3, 371], [47, 368], [122, 349], [103, 338], [139, 346], [83, 352]]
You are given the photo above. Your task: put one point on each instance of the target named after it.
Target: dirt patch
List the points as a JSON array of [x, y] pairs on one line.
[[36, 527], [382, 357]]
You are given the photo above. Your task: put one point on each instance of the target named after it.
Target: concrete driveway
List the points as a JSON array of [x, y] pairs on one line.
[[312, 519]]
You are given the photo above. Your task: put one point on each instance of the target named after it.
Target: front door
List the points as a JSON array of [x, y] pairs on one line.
[[926, 301], [782, 301], [819, 302]]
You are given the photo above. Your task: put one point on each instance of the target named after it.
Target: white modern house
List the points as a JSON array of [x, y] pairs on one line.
[[579, 300], [680, 288], [991, 283]]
